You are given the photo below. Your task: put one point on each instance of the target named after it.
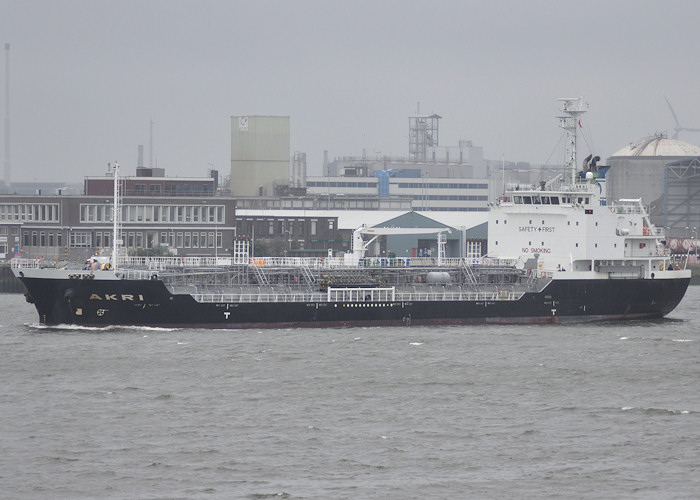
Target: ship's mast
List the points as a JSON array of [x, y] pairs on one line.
[[116, 218], [573, 108]]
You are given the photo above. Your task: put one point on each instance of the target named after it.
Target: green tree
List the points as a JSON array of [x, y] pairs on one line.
[[157, 251], [269, 247]]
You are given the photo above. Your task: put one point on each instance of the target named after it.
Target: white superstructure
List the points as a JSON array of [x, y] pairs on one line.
[[568, 227]]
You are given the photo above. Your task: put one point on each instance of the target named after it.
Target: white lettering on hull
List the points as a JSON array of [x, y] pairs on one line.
[[113, 296]]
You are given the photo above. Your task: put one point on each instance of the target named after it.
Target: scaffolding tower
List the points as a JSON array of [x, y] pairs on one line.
[[423, 133]]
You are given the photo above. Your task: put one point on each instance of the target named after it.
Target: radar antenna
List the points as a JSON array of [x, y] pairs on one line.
[[573, 108]]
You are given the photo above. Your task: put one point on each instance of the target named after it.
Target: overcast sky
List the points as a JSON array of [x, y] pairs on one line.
[[86, 77]]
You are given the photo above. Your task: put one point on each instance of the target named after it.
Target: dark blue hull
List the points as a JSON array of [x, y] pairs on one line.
[[149, 303]]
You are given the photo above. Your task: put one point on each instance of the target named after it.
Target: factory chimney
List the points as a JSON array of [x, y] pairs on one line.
[[6, 162], [139, 162]]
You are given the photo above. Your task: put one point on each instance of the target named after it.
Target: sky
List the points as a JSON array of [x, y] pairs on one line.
[[88, 76]]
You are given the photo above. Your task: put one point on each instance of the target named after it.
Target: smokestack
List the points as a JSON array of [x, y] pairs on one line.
[[139, 163], [150, 158], [6, 163]]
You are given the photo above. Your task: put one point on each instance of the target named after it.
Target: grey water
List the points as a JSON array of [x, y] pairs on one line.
[[609, 410]]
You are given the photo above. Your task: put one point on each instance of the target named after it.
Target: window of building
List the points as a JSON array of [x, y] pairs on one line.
[[80, 239]]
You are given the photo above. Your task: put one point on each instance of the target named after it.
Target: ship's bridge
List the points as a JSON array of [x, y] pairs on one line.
[[558, 229]]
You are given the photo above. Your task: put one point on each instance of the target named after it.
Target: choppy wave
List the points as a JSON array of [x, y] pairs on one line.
[[477, 411], [656, 411], [109, 328]]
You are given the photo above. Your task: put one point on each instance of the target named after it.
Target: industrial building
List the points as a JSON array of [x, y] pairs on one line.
[[433, 177], [180, 216], [315, 232], [74, 228], [152, 182], [639, 170], [260, 155], [681, 207], [414, 184]]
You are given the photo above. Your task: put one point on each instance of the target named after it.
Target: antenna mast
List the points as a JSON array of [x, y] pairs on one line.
[[116, 218], [6, 163], [573, 107], [150, 147]]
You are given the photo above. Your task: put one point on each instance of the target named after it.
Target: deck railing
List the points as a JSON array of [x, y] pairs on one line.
[[234, 298], [146, 265]]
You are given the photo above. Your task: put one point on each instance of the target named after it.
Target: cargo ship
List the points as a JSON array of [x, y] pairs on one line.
[[557, 252]]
